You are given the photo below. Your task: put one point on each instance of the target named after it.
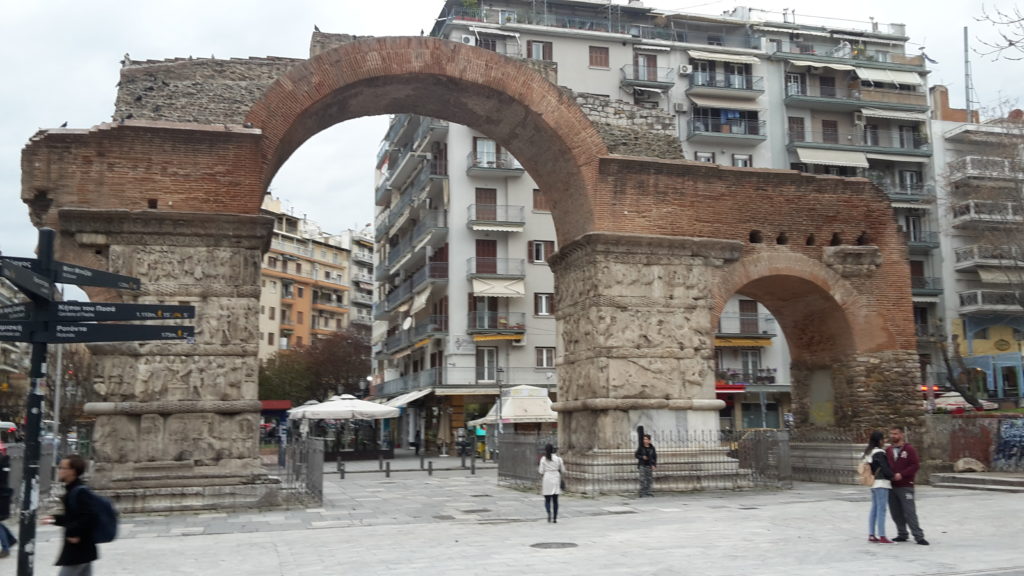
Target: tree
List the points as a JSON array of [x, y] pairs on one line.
[[285, 376], [1009, 25], [332, 365]]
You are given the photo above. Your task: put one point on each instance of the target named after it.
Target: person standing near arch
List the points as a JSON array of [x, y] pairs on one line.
[[874, 456], [904, 462], [552, 468], [646, 462]]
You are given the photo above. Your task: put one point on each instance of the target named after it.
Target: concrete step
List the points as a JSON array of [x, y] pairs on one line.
[[986, 487], [979, 479]]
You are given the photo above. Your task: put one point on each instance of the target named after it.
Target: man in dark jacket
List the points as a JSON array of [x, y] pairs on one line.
[[904, 463], [646, 461], [79, 548]]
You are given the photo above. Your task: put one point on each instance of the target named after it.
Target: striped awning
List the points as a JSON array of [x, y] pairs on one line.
[[832, 157], [742, 342], [494, 337], [720, 57]]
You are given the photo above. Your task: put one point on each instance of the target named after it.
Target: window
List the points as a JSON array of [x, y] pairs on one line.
[[300, 291], [737, 75], [748, 317], [543, 303], [646, 66], [486, 364], [506, 16], [486, 257], [485, 152], [871, 135], [270, 338], [827, 86], [599, 57], [751, 361], [282, 342], [910, 180], [541, 250], [912, 224], [703, 72], [540, 201], [536, 50], [272, 262], [273, 311], [487, 204], [545, 357], [830, 131], [794, 84], [741, 160], [708, 157], [263, 310], [298, 267], [796, 129], [907, 139], [980, 334], [487, 43]]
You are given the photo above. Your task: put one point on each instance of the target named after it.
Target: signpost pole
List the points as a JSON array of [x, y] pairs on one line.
[[30, 482]]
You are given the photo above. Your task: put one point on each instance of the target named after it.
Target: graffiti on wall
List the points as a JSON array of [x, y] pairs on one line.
[[1009, 452]]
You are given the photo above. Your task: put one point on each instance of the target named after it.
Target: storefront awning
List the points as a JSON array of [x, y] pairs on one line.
[[742, 342], [821, 65], [404, 399], [897, 158], [493, 337], [832, 157], [894, 114], [724, 103], [502, 287], [889, 76], [446, 391], [737, 58], [493, 31], [498, 227]]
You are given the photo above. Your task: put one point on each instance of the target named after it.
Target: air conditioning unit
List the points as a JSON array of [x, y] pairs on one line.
[[469, 39], [684, 70], [520, 342], [679, 107], [858, 118]]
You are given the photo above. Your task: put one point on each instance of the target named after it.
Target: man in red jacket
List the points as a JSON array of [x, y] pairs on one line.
[[904, 463]]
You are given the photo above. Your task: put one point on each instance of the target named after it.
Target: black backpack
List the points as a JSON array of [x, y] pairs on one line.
[[104, 514]]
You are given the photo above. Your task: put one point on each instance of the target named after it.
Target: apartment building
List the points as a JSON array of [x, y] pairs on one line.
[[980, 179], [360, 247], [465, 296], [15, 358], [305, 283]]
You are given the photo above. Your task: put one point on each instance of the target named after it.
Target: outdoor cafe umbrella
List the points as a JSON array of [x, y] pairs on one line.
[[344, 407]]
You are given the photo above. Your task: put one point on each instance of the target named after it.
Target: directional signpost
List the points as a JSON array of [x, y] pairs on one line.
[[45, 320]]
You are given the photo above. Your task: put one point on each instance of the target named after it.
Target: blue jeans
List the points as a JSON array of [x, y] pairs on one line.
[[876, 521]]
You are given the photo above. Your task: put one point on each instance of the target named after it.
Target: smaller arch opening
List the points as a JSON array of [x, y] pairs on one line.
[[837, 240], [756, 237], [782, 239], [810, 240], [863, 239]]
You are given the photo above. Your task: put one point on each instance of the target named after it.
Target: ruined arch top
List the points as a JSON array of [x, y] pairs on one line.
[[539, 123]]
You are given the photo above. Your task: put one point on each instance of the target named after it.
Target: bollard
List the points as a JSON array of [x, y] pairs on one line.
[[380, 461], [387, 469], [340, 465], [430, 468], [472, 464], [341, 469], [463, 460], [422, 458]]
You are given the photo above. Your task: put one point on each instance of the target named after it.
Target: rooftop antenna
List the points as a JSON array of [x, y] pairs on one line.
[[968, 80]]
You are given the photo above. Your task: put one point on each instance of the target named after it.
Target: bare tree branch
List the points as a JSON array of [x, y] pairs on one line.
[[1009, 27]]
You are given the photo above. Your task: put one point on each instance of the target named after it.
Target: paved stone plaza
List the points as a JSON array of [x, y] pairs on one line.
[[455, 522]]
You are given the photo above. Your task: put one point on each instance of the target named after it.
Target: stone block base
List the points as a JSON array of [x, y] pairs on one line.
[[242, 493], [685, 470], [826, 462]]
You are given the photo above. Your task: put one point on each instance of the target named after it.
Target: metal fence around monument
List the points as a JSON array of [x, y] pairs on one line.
[[47, 468], [687, 461], [829, 455], [303, 474]]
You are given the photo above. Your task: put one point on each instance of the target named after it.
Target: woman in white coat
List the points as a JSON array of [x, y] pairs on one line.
[[552, 468]]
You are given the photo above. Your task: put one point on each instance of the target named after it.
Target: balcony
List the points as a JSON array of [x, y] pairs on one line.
[[759, 376], [496, 217], [985, 168], [364, 319], [398, 253], [432, 272], [986, 214], [362, 277], [430, 130], [990, 301], [653, 77], [874, 141], [500, 165], [922, 242], [433, 326], [329, 304], [973, 257], [727, 85], [383, 192], [364, 256], [501, 267], [418, 381], [829, 53], [291, 247], [360, 298], [735, 132], [925, 286], [755, 325], [431, 228], [397, 341], [481, 322], [919, 193], [838, 99], [400, 294]]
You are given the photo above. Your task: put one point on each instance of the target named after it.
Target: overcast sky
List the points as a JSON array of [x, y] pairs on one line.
[[60, 59]]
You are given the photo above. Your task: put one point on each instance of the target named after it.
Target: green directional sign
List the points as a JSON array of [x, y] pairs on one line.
[[82, 276], [99, 311], [27, 280], [16, 311], [73, 332]]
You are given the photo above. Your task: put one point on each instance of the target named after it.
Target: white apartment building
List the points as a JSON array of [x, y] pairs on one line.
[[465, 297]]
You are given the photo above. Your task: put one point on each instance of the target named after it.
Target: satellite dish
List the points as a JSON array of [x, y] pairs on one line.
[[407, 323]]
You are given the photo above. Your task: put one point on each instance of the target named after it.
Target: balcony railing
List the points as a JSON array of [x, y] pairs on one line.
[[855, 97], [432, 325], [658, 76], [925, 284], [430, 221], [432, 271], [739, 127], [892, 139], [398, 251], [363, 256], [909, 192], [480, 164], [990, 300], [754, 323], [985, 167], [497, 213], [292, 248], [987, 212], [727, 81], [969, 256], [428, 125], [398, 295], [362, 277], [360, 298], [397, 341], [478, 266], [361, 319], [510, 375], [763, 376], [481, 321], [846, 52], [923, 239]]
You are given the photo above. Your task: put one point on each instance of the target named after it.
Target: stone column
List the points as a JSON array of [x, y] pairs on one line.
[[178, 427], [636, 343]]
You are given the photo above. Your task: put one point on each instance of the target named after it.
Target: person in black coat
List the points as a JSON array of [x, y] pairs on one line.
[[646, 462], [79, 549]]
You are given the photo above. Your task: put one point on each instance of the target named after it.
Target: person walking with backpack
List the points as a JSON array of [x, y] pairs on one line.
[[79, 549], [874, 456], [904, 462]]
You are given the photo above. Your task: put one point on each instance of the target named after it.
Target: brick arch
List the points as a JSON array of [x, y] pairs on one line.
[[509, 101], [823, 315]]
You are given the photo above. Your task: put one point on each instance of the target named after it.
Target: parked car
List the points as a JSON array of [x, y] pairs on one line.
[[8, 431], [953, 401]]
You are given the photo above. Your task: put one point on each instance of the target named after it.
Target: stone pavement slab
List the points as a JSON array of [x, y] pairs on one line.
[[454, 523]]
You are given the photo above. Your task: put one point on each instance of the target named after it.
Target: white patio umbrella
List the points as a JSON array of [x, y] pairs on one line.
[[344, 407]]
